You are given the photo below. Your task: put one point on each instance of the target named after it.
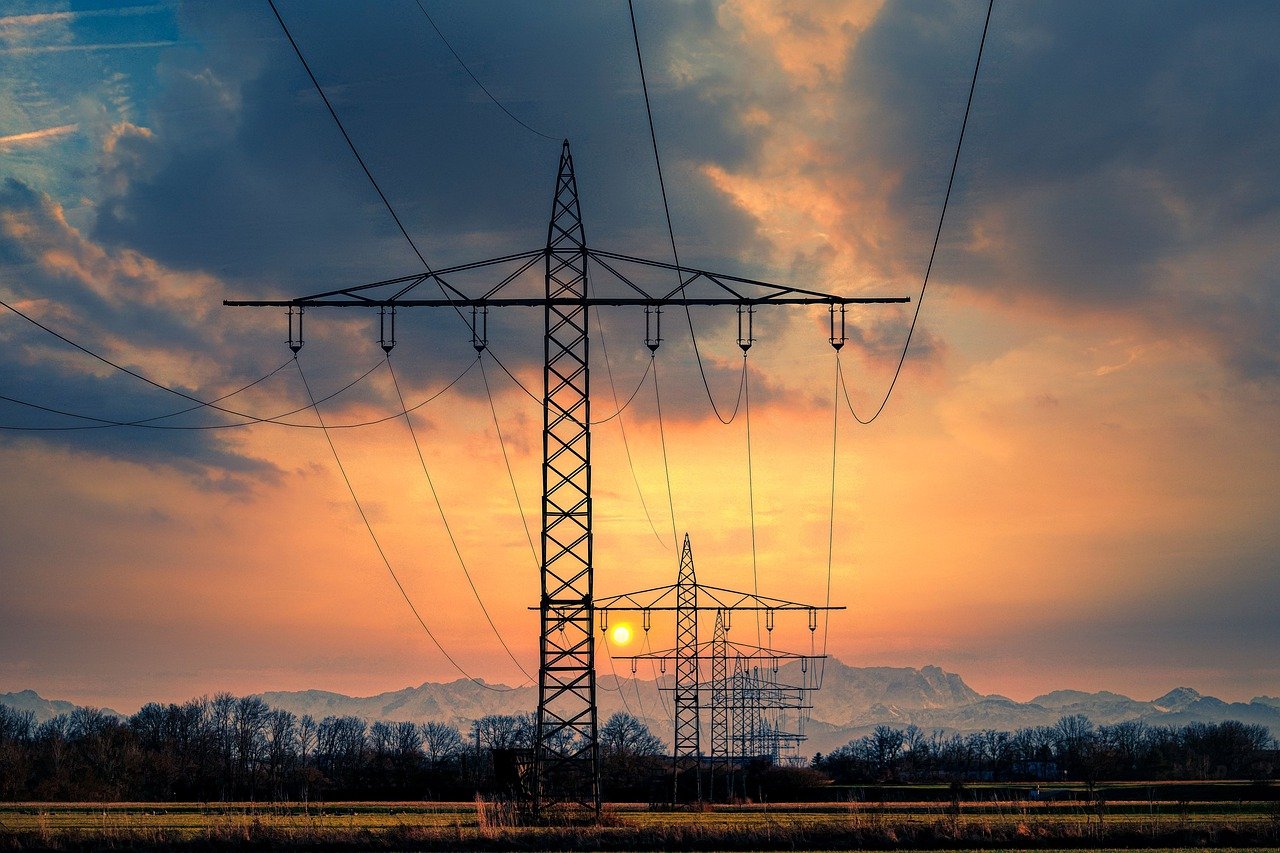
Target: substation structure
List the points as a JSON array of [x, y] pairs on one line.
[[740, 693], [565, 772]]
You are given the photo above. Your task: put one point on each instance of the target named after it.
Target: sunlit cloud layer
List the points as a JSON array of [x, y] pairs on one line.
[[1072, 486]]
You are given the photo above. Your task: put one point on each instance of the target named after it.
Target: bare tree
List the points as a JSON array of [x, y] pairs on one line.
[[505, 731], [625, 734], [442, 743]]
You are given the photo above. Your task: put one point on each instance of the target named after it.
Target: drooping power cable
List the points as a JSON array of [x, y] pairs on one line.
[[506, 459], [937, 236], [448, 528], [666, 466], [476, 79], [622, 427], [666, 208], [382, 553], [350, 144]]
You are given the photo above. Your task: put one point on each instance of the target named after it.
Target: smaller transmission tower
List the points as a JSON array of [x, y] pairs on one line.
[[739, 700]]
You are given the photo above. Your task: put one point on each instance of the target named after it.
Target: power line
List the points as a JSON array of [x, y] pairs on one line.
[[435, 496], [149, 381], [359, 159], [622, 428], [532, 396], [347, 137], [751, 492], [378, 545], [249, 419], [937, 236], [524, 521], [476, 79], [831, 516], [666, 209], [662, 434], [105, 423], [619, 409]]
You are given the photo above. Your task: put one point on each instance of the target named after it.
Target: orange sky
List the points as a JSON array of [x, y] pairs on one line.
[[1073, 486]]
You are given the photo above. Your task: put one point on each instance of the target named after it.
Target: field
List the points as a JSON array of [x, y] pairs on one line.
[[489, 826]]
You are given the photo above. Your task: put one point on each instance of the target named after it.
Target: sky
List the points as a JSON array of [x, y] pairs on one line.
[[1075, 482]]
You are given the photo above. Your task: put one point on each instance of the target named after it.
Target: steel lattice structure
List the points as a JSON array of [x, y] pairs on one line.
[[738, 700], [687, 746], [719, 688], [566, 752]]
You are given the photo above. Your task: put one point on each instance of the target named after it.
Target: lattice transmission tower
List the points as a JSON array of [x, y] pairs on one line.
[[566, 751], [741, 707]]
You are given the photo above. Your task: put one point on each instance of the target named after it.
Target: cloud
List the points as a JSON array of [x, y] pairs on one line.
[[37, 137], [76, 48], [128, 308]]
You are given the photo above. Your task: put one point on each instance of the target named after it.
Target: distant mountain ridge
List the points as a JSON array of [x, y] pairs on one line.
[[852, 702], [42, 709]]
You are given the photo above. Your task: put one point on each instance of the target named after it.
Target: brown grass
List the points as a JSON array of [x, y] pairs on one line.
[[486, 826]]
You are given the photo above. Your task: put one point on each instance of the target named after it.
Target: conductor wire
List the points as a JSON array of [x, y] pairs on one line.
[[435, 496], [382, 553]]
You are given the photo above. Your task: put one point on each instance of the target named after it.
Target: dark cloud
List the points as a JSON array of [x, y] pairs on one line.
[[1109, 146]]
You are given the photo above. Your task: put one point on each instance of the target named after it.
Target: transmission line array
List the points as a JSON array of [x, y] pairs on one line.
[[749, 701], [564, 766]]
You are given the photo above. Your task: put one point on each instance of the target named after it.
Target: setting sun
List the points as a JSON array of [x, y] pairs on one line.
[[621, 634]]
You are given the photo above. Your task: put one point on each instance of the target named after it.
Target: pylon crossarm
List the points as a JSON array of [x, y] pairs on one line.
[[703, 651], [732, 599], [689, 275], [720, 599], [398, 289], [637, 600]]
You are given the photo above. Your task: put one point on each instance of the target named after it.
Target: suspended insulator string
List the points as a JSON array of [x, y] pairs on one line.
[[524, 521], [378, 545], [937, 236], [444, 519], [626, 445], [666, 209], [662, 435], [476, 79]]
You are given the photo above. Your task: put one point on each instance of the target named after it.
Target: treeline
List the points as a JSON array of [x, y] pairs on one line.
[[1073, 749], [238, 748]]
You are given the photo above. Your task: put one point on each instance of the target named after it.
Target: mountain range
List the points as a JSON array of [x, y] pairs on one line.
[[852, 702]]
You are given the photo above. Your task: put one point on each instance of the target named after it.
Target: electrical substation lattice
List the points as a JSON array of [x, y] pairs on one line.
[[565, 771]]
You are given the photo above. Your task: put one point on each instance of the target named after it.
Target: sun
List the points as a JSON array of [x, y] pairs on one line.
[[621, 634]]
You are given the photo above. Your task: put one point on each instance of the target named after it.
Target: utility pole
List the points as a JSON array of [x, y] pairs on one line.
[[566, 770]]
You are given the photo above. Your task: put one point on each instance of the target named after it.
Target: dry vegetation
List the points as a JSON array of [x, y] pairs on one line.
[[490, 826]]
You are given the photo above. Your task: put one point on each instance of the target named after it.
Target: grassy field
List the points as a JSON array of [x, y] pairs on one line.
[[489, 826]]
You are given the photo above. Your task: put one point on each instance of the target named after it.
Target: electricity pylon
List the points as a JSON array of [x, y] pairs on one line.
[[740, 698], [566, 767]]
